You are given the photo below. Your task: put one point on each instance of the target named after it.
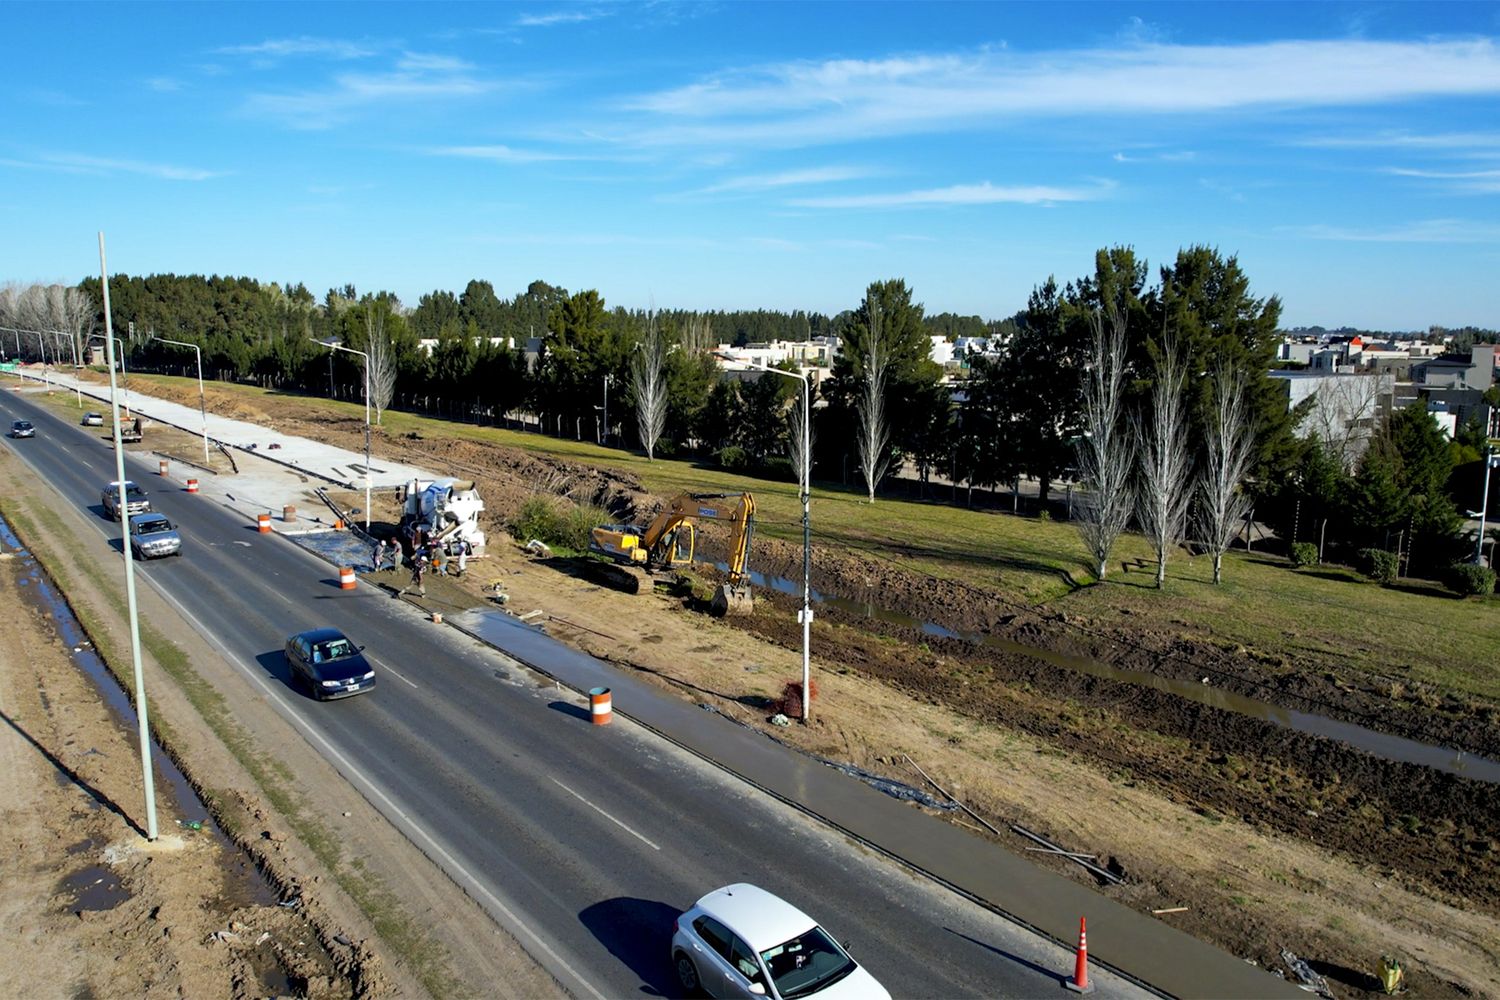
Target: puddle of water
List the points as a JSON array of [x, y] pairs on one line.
[[245, 885], [1384, 745], [96, 887]]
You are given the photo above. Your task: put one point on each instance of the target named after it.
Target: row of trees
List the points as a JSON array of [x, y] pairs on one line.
[[1153, 393]]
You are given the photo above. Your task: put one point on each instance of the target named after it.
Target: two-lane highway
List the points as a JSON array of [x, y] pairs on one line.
[[583, 841]]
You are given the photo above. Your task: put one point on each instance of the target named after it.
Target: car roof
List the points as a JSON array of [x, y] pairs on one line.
[[20, 423], [320, 635], [115, 484], [762, 919], [147, 517]]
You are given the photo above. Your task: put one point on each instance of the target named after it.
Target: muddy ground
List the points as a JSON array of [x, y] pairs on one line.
[[92, 908], [1270, 838]]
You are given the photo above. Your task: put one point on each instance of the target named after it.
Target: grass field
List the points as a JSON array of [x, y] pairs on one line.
[[1414, 630]]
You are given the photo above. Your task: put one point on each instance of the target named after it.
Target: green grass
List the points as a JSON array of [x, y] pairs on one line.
[[273, 777], [1413, 631]]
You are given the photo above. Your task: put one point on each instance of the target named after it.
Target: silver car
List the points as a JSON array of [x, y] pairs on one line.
[[22, 429], [152, 536], [741, 941]]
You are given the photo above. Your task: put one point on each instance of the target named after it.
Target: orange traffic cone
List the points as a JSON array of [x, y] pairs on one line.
[[1080, 981]]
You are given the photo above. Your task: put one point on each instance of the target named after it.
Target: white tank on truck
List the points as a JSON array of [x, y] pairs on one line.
[[445, 511]]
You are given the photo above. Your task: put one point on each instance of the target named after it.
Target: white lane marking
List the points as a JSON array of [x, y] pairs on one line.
[[606, 815], [393, 673], [355, 776]]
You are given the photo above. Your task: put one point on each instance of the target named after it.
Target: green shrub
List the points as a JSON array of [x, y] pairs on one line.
[[1304, 553], [557, 522], [1471, 579], [733, 458], [1379, 564], [779, 468], [1044, 514]]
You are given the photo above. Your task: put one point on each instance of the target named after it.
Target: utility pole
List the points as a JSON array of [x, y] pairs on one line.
[[143, 726]]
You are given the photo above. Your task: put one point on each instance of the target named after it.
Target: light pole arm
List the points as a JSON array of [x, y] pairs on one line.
[[362, 354]]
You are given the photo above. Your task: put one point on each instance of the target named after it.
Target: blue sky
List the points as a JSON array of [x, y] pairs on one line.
[[779, 155]]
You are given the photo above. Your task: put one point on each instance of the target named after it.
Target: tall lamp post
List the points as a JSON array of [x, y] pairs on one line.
[[202, 403], [143, 727], [119, 350], [1490, 461], [604, 435], [339, 347], [805, 616]]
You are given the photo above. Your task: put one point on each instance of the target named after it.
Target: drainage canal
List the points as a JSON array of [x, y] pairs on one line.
[[1383, 745], [96, 886]]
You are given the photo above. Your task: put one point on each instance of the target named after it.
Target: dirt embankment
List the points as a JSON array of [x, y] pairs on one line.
[[1270, 838]]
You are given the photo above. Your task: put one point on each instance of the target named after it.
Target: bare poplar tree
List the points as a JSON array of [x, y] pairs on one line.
[[698, 334], [648, 378], [382, 360], [874, 432], [1346, 412], [1104, 450], [73, 310], [794, 436], [1165, 465], [1229, 441]]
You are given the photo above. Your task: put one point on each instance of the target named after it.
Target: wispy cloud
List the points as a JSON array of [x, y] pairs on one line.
[[1426, 231], [303, 45], [502, 154], [805, 103], [1473, 181], [1181, 156], [73, 163], [1437, 142], [787, 178], [416, 77], [959, 194], [163, 84], [560, 17]]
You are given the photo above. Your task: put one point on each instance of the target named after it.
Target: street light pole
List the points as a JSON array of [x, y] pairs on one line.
[[337, 347], [805, 616], [202, 403], [110, 362], [604, 434], [142, 725]]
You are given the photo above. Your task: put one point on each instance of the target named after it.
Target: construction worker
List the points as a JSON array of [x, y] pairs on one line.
[[439, 561], [418, 566], [463, 557], [377, 558]]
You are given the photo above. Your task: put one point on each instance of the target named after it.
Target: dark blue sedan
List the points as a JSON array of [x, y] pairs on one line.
[[329, 664]]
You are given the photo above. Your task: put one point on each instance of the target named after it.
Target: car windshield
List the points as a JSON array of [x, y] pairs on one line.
[[23, 425], [335, 649], [806, 964], [152, 527]]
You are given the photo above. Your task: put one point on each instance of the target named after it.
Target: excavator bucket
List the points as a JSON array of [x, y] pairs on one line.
[[732, 602]]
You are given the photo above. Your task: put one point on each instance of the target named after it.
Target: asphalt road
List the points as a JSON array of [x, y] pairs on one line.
[[584, 842]]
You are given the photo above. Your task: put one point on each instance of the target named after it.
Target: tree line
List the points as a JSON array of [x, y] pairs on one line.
[[1183, 355]]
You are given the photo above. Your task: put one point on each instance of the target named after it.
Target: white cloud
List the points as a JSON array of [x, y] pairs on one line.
[[808, 103], [1182, 156], [303, 45], [560, 17], [1438, 141], [958, 194], [73, 163], [786, 178], [501, 154], [1426, 231], [1471, 181], [163, 84], [415, 78]]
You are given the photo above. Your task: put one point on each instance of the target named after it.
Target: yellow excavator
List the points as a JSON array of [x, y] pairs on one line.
[[668, 540]]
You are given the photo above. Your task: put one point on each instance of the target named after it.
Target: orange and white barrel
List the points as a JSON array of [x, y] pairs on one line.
[[338, 524], [346, 578], [599, 706], [263, 521], [161, 467], [192, 486]]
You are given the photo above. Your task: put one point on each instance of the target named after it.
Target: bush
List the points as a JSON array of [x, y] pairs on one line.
[[779, 468], [790, 702], [558, 523], [1304, 553], [1379, 564], [733, 458], [1471, 579]]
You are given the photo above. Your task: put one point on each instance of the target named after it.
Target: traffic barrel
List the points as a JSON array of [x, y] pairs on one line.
[[192, 486], [338, 524], [346, 578], [161, 467], [1080, 981], [599, 706], [263, 521]]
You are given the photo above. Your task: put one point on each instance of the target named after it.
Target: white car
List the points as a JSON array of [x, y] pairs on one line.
[[741, 941], [92, 420]]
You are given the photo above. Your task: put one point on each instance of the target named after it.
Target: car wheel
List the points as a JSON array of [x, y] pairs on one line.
[[687, 973]]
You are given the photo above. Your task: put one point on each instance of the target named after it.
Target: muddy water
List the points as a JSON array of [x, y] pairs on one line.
[[244, 884], [1383, 745]]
